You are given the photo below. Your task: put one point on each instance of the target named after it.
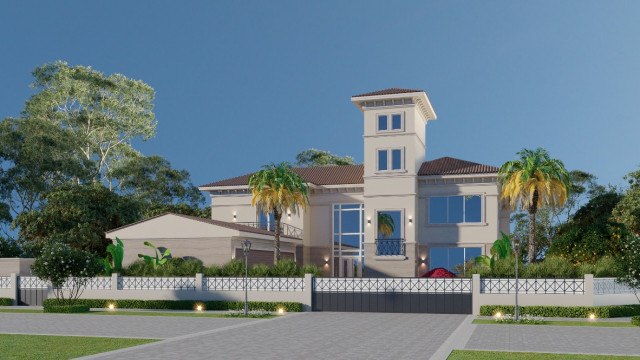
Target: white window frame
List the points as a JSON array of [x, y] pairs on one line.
[[464, 209], [390, 122], [390, 159]]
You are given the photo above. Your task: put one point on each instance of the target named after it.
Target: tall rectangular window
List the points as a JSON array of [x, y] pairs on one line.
[[455, 209], [383, 160], [383, 123], [396, 122], [396, 159]]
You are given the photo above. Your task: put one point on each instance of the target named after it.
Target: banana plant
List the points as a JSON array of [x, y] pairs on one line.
[[117, 254], [106, 262], [158, 260], [500, 250]]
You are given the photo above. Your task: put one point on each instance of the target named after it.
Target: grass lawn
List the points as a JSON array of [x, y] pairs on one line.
[[500, 355], [27, 347], [142, 313], [563, 323]]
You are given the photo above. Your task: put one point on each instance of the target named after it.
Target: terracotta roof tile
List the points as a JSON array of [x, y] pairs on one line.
[[320, 175], [388, 92], [353, 174], [452, 166]]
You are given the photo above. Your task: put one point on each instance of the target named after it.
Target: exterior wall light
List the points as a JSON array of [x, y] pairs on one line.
[[369, 221], [234, 216], [289, 215], [410, 220]]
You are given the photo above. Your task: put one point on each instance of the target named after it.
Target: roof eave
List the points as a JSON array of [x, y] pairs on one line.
[[420, 98]]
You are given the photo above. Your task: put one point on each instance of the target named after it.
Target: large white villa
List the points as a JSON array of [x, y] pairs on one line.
[[442, 212]]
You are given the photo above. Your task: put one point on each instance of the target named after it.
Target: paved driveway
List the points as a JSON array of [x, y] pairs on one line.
[[308, 336]]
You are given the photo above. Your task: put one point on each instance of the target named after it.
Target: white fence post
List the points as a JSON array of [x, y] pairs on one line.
[[588, 288], [308, 292], [114, 281], [475, 294], [14, 286]]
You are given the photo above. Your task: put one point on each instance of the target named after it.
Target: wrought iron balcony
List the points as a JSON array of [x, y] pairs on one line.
[[285, 229], [390, 247]]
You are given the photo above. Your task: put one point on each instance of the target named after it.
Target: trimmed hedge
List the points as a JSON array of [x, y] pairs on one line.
[[183, 304], [635, 320], [66, 309], [6, 302], [610, 311]]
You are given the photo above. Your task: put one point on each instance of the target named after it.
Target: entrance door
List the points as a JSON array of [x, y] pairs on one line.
[[348, 237]]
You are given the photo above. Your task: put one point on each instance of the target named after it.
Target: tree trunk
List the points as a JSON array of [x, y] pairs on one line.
[[276, 239], [533, 209]]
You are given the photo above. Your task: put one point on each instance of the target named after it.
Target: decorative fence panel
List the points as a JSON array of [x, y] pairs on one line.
[[5, 282], [406, 295], [605, 286], [532, 286], [253, 284], [32, 290], [156, 283]]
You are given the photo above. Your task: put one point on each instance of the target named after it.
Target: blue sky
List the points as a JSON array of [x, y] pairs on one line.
[[241, 84]]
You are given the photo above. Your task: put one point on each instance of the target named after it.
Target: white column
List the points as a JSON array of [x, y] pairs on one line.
[[308, 292], [14, 286], [475, 294]]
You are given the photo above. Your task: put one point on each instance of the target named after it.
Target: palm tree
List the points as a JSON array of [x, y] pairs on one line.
[[386, 226], [534, 181], [277, 189]]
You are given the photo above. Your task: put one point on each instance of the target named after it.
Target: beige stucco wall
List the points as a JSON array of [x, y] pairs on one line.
[[20, 266]]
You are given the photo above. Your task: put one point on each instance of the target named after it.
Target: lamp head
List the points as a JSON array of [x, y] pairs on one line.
[[246, 246]]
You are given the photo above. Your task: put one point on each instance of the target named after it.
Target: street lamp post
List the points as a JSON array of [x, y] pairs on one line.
[[246, 247], [515, 243]]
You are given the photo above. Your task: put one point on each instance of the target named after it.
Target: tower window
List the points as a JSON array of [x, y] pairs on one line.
[[390, 159], [388, 123]]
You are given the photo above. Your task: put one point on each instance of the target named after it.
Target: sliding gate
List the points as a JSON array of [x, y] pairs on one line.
[[399, 295]]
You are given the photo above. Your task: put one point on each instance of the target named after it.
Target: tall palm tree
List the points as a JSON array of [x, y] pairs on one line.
[[534, 181], [277, 189]]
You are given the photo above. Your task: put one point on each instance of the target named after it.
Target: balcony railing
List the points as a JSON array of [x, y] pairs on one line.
[[285, 229], [390, 247]]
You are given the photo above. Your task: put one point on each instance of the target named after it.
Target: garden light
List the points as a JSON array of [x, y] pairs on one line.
[[280, 310], [498, 315], [592, 316], [112, 307], [199, 308]]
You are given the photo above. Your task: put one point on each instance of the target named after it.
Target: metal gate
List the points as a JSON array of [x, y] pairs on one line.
[[31, 291], [400, 295]]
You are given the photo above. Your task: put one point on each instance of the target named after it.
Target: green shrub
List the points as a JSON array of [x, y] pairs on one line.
[[6, 302], [139, 268], [181, 267], [635, 320], [312, 269], [234, 267], [213, 270], [610, 311], [66, 309], [285, 268], [260, 270], [551, 267], [182, 304]]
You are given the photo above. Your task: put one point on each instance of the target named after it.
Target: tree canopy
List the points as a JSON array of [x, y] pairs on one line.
[[315, 157], [104, 113]]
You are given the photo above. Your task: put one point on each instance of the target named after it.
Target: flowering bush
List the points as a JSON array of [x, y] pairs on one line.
[[439, 273], [524, 319], [67, 269], [629, 264]]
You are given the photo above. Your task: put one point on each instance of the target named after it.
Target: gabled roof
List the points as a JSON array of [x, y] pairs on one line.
[[319, 175], [353, 174], [452, 166], [225, 224], [389, 92]]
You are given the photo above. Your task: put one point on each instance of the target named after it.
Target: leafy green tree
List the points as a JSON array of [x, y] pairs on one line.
[[10, 248], [67, 269], [534, 181], [35, 157], [629, 264], [158, 186], [104, 113], [276, 189], [315, 157], [627, 211], [78, 215]]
